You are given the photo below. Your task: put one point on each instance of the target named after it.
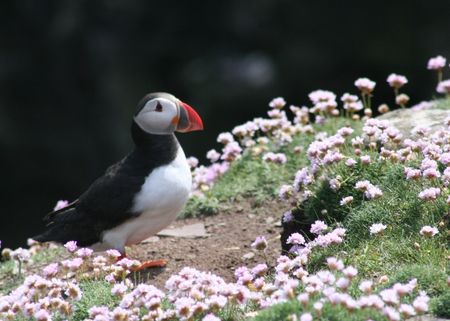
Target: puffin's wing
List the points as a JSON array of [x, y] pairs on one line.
[[106, 204], [108, 201], [110, 197]]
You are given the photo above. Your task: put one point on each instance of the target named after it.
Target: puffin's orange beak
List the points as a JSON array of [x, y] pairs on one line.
[[189, 119]]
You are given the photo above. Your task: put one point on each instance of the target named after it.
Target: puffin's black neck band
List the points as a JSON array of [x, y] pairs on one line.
[[158, 149]]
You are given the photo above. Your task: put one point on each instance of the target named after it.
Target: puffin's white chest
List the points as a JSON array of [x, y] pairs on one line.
[[161, 198]]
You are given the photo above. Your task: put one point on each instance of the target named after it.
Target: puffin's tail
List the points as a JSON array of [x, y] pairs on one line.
[[56, 230], [67, 226]]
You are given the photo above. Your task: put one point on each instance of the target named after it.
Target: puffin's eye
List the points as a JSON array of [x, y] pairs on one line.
[[158, 107]]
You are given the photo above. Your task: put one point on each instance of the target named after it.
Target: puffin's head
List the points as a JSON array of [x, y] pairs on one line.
[[163, 113]]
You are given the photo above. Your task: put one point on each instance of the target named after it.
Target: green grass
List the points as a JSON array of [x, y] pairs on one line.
[[8, 280], [95, 293], [399, 208], [443, 103], [440, 305]]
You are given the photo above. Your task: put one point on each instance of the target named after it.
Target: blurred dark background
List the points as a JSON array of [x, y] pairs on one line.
[[72, 71]]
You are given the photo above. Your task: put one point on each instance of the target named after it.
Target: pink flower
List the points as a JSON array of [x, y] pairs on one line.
[[302, 178], [366, 286], [430, 194], [277, 158], [347, 98], [377, 228], [321, 96], [445, 158], [346, 200], [391, 314], [119, 289], [277, 103], [428, 231], [444, 87], [345, 131], [72, 265], [296, 239], [213, 155], [350, 162], [60, 204], [71, 246], [50, 270], [84, 252], [431, 173], [42, 315], [396, 81], [21, 254], [354, 106], [73, 291], [231, 151], [365, 85], [373, 192], [210, 317], [225, 138], [420, 304], [192, 162], [335, 264], [390, 296], [260, 269], [216, 302], [350, 272], [287, 217], [406, 310], [285, 192], [306, 317], [318, 227], [365, 159], [113, 253], [260, 243], [343, 283], [335, 184], [412, 173], [436, 63]]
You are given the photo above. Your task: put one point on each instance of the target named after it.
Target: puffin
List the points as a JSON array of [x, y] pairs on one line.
[[142, 193]]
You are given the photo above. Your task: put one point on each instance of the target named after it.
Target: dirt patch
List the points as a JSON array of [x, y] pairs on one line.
[[230, 235]]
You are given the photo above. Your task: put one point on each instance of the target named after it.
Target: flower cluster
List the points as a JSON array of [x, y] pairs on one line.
[[201, 295], [396, 82], [262, 137], [437, 64]]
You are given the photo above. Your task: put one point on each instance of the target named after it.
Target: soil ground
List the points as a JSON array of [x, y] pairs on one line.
[[230, 234]]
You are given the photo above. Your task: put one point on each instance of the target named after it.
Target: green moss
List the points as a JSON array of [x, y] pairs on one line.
[[440, 306], [95, 293], [430, 278]]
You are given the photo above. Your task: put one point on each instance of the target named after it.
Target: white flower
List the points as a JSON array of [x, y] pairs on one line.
[[377, 228]]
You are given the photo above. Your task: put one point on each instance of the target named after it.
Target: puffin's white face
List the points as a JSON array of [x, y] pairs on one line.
[[158, 116]]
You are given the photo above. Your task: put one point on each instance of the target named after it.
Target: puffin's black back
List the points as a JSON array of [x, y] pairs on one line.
[[108, 201]]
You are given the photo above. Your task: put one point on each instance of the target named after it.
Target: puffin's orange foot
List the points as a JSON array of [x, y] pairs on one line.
[[151, 264]]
